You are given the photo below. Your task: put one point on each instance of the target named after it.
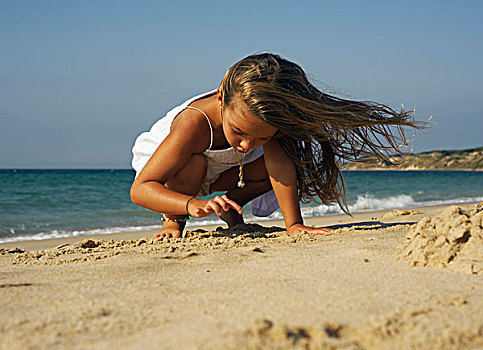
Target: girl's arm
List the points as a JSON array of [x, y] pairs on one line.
[[189, 135], [283, 178]]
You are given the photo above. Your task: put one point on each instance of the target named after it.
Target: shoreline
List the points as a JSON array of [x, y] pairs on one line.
[[327, 220]]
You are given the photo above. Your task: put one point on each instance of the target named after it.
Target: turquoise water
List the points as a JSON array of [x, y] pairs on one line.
[[41, 204]]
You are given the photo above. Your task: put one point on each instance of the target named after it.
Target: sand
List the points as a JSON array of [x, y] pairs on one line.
[[403, 279], [452, 240]]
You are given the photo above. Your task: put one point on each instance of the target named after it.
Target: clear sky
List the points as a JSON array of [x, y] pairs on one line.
[[79, 80]]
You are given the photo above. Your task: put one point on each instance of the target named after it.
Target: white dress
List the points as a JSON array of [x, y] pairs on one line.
[[218, 161]]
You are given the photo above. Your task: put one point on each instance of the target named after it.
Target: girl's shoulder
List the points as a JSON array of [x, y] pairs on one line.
[[191, 126]]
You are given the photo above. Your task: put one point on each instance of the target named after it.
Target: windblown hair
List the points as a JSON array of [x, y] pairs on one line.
[[317, 131]]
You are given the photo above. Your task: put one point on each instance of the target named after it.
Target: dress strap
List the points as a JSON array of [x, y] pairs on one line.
[[209, 123]]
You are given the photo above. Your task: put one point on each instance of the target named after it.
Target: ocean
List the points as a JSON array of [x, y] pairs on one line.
[[43, 204]]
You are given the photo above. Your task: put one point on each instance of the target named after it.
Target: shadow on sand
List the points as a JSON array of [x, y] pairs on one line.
[[255, 230], [369, 225]]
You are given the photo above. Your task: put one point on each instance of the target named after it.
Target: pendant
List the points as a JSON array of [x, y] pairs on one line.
[[241, 184]]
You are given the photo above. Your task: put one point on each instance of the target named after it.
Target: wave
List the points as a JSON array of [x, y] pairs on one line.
[[66, 233], [368, 202], [363, 203]]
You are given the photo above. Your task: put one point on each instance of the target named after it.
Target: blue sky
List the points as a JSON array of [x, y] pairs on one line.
[[79, 80]]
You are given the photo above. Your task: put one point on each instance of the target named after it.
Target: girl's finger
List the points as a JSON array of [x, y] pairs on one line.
[[215, 207], [222, 202], [319, 231], [202, 212], [233, 204]]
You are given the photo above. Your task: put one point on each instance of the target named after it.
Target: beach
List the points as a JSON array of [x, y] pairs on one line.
[[380, 280]]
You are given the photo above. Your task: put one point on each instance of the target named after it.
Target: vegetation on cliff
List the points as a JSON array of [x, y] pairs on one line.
[[468, 159]]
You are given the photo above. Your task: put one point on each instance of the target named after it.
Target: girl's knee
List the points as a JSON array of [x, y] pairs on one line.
[[191, 175], [256, 170], [198, 162]]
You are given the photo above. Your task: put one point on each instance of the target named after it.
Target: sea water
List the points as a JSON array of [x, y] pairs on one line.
[[42, 204]]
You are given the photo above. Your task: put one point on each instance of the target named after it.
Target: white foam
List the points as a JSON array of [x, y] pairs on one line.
[[367, 202], [65, 233], [363, 203]]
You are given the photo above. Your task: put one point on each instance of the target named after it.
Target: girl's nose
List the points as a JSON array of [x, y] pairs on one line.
[[245, 144]]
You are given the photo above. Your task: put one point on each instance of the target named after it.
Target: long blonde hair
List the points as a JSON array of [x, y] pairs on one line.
[[317, 131]]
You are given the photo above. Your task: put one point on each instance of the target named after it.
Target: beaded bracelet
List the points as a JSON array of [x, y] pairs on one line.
[[187, 202]]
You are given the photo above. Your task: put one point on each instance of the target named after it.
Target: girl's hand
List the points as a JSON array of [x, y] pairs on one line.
[[200, 208], [299, 228]]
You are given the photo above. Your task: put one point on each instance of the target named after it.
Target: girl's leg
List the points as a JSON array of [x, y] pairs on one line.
[[256, 181], [188, 181]]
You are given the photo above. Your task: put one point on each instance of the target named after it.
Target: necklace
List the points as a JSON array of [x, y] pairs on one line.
[[240, 183]]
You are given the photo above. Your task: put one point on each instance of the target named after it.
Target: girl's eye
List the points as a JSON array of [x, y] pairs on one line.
[[237, 132]]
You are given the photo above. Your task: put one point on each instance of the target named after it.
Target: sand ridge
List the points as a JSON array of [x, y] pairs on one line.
[[174, 248], [452, 240], [399, 212]]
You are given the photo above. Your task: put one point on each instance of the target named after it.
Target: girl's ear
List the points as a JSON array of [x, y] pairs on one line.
[[219, 97]]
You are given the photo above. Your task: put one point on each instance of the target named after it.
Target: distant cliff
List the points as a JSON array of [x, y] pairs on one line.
[[468, 159]]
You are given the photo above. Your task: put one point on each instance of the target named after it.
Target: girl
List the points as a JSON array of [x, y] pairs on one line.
[[266, 127]]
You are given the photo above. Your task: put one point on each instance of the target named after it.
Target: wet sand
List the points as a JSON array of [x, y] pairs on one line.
[[399, 279]]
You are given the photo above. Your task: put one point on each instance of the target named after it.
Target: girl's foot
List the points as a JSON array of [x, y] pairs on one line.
[[232, 218], [172, 227]]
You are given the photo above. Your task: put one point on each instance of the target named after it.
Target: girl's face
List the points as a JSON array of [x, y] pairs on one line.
[[243, 130]]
